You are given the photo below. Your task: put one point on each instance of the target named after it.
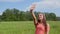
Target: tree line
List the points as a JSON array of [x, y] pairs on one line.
[[17, 15]]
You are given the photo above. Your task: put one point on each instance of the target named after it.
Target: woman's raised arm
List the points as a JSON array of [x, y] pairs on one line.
[[32, 13]]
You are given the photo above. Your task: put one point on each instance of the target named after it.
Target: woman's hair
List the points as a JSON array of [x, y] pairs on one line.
[[43, 21]]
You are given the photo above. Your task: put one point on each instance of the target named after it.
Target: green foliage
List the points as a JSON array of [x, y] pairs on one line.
[[0, 18], [50, 16], [17, 15], [10, 15], [58, 18]]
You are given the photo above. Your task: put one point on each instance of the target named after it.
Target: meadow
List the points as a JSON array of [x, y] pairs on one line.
[[26, 27]]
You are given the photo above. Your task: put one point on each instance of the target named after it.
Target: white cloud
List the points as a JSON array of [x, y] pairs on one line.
[[11, 0], [47, 6], [51, 4]]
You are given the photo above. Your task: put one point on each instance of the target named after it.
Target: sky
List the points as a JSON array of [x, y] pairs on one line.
[[41, 5]]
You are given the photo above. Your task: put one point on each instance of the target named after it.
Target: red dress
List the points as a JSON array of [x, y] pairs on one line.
[[40, 29]]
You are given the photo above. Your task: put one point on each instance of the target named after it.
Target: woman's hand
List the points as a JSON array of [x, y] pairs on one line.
[[32, 7]]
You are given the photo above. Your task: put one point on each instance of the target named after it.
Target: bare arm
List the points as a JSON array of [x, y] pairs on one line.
[[33, 15], [48, 29]]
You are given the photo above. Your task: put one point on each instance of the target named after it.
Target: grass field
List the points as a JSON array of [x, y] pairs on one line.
[[26, 27]]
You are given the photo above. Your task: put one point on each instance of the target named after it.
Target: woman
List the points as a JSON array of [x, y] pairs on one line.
[[41, 26]]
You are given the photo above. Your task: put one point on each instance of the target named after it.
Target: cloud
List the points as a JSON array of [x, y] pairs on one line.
[[46, 5], [11, 0]]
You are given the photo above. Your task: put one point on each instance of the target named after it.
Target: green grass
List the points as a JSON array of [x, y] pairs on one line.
[[26, 27]]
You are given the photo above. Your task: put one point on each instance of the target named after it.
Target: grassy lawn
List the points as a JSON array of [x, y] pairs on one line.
[[26, 27]]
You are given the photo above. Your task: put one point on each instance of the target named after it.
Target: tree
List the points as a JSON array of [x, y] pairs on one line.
[[9, 15], [52, 16], [17, 15], [58, 18], [6, 14], [28, 16], [0, 18]]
